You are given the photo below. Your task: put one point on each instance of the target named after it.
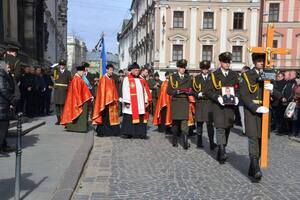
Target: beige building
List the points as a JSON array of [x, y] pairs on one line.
[[166, 31], [76, 52]]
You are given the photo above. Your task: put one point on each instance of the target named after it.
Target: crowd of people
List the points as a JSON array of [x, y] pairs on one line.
[[179, 105]]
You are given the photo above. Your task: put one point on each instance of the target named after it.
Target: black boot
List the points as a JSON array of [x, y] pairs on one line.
[[185, 141], [256, 169], [199, 141], [174, 140], [221, 157], [58, 120]]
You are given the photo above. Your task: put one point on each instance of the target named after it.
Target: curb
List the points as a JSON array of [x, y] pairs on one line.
[[25, 130], [72, 174]]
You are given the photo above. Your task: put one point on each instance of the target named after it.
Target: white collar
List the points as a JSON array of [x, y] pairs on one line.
[[107, 75], [204, 76], [62, 70]]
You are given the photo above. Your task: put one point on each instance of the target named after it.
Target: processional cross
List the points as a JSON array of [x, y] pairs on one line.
[[268, 51]]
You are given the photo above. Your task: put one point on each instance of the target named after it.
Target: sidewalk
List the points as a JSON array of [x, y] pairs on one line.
[[47, 153]]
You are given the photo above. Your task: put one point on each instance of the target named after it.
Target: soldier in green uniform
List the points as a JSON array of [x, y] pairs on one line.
[[154, 85], [204, 112], [223, 114], [251, 92], [180, 88], [62, 78]]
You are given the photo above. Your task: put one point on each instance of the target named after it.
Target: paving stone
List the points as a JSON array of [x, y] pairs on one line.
[[153, 169]]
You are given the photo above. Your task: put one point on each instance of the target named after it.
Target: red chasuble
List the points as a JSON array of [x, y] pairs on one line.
[[148, 91], [78, 94], [133, 99], [164, 100], [107, 95]]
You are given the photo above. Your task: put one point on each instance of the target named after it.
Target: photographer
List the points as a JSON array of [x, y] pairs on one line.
[[7, 103]]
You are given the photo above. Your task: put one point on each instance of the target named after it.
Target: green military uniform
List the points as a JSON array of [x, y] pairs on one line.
[[178, 86], [251, 92], [61, 82], [223, 115], [204, 112], [154, 90]]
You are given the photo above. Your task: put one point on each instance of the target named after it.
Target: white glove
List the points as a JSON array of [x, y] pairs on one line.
[[220, 100], [200, 94], [236, 101], [269, 86], [54, 65], [120, 100], [262, 109]]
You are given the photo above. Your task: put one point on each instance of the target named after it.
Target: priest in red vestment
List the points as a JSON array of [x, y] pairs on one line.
[[75, 113], [162, 115], [106, 108], [135, 102]]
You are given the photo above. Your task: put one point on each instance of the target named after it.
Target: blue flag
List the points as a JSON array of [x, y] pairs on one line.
[[103, 57]]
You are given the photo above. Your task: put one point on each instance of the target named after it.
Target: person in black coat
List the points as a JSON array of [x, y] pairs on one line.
[[49, 87], [8, 102], [40, 91]]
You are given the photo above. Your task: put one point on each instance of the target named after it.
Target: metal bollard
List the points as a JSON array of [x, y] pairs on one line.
[[18, 157]]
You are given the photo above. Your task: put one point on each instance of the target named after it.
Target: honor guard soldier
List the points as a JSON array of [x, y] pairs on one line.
[[204, 112], [180, 88], [62, 78], [251, 92], [223, 114]]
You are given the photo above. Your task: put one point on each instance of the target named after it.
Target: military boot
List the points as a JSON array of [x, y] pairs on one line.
[[174, 139], [221, 157], [58, 120], [254, 169], [199, 138], [185, 141]]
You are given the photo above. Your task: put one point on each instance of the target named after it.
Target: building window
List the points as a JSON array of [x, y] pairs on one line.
[[237, 53], [208, 20], [207, 52], [178, 19], [238, 21], [275, 45], [177, 52], [274, 12]]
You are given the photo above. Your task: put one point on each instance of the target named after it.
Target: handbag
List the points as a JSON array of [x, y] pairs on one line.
[[290, 110]]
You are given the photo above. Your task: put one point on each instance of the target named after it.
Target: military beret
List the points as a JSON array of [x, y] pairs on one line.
[[80, 68], [134, 66], [225, 57], [181, 63], [62, 62], [258, 56], [205, 64]]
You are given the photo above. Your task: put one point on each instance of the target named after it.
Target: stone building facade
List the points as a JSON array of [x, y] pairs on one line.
[[26, 24], [165, 31], [55, 30], [125, 40], [94, 57], [285, 14], [76, 51]]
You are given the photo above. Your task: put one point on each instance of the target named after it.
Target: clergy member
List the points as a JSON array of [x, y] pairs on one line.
[[106, 109], [135, 101], [75, 113], [162, 115]]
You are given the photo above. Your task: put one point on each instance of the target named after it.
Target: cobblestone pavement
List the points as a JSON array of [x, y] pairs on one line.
[[153, 169]]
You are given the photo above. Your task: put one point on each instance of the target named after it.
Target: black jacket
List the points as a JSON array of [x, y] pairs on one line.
[[7, 96]]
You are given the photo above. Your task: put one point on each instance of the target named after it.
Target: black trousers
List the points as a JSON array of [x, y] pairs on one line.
[[210, 131], [47, 101], [59, 109], [30, 104], [4, 124]]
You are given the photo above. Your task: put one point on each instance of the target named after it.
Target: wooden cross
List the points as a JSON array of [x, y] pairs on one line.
[[268, 51]]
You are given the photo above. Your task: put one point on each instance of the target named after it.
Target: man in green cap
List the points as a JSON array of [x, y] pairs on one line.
[[180, 88], [223, 114], [204, 112], [62, 78], [154, 85]]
